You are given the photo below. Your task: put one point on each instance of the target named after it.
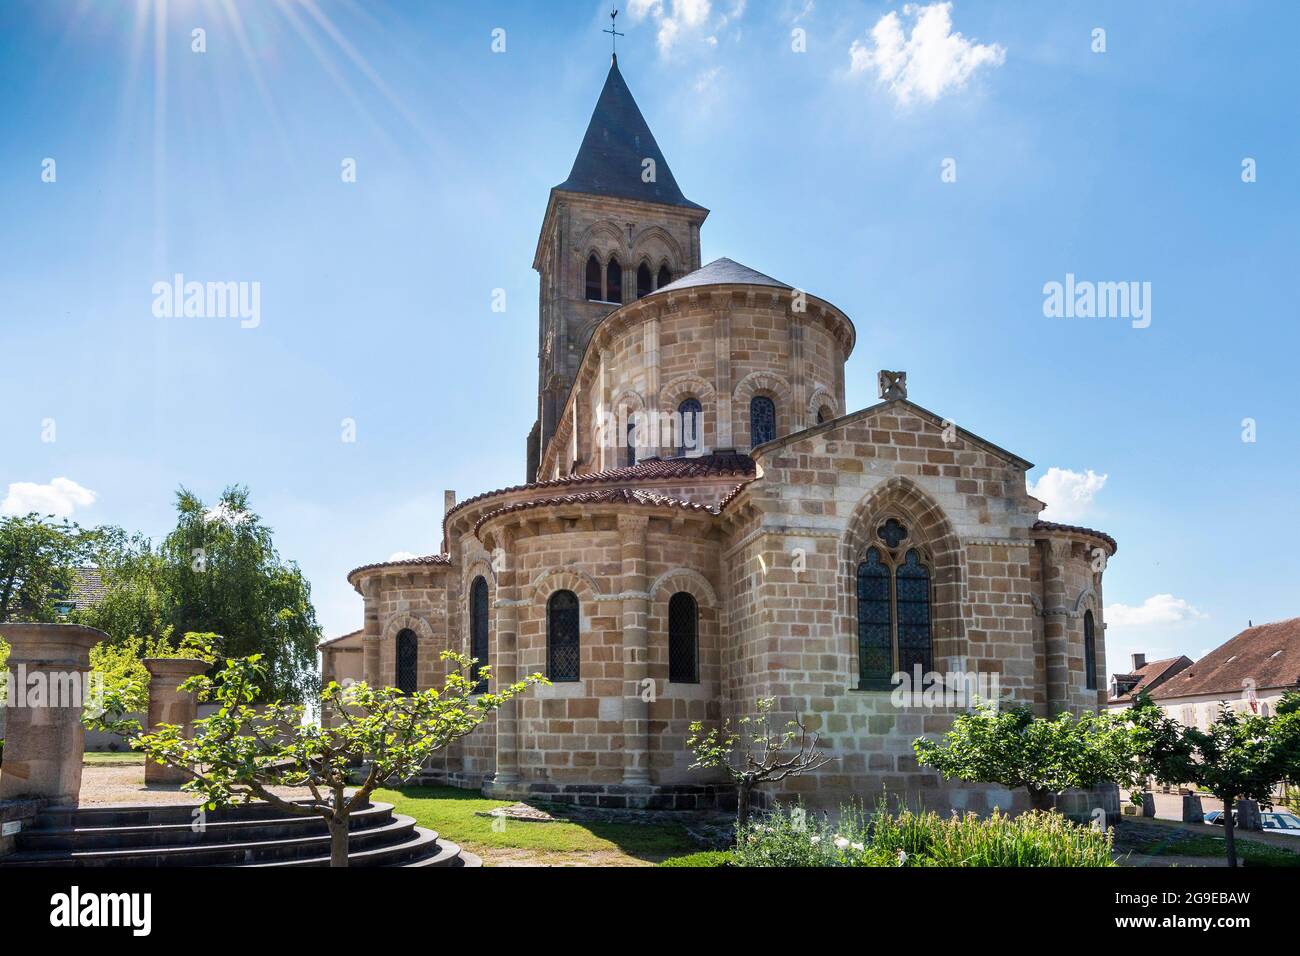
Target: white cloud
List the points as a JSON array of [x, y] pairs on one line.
[[927, 64], [1067, 494], [679, 20], [704, 82], [222, 512], [402, 556], [1156, 611], [59, 498]]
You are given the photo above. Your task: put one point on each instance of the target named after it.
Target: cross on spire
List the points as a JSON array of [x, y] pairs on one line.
[[613, 32]]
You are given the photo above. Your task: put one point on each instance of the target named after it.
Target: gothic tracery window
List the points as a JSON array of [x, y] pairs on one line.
[[478, 630], [563, 650], [683, 639], [1089, 651], [762, 420], [894, 609], [643, 281], [665, 276], [408, 657]]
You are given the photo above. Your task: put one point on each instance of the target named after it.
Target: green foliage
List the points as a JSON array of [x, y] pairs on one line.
[[38, 557], [1011, 747], [126, 679], [240, 753], [217, 571], [702, 859], [754, 751], [788, 837]]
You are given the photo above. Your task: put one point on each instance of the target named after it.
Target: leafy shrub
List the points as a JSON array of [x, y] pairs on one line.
[[788, 837], [705, 858]]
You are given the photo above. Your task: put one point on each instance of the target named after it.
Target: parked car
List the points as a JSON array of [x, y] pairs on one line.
[[1278, 821]]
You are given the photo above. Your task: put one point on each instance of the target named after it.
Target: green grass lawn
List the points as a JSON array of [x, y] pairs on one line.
[[451, 812], [1250, 852], [107, 758]]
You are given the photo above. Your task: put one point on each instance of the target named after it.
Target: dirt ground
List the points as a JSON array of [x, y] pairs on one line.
[[118, 783]]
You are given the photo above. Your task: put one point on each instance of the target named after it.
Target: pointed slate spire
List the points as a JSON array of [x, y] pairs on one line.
[[611, 159]]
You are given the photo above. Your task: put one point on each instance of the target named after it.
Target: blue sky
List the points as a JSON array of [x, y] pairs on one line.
[[821, 167]]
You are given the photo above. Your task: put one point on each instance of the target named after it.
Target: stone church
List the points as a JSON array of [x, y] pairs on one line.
[[704, 523]]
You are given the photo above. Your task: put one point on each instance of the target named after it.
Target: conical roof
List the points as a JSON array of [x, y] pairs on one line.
[[618, 141], [722, 271]]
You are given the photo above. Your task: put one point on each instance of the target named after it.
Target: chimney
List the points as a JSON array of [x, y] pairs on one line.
[[1139, 661]]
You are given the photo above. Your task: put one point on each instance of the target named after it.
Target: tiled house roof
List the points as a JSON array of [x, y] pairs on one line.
[[1148, 677], [1268, 654]]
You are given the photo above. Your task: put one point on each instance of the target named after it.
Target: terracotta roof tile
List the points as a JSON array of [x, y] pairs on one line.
[[428, 559], [1268, 654], [335, 640], [1151, 674], [718, 465], [1077, 529], [607, 496]]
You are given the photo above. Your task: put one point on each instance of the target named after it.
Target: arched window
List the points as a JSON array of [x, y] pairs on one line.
[[824, 414], [691, 412], [563, 653], [478, 630], [614, 281], [893, 591], [631, 444], [643, 281], [683, 639], [1089, 652], [762, 420], [408, 658], [593, 279], [665, 276]]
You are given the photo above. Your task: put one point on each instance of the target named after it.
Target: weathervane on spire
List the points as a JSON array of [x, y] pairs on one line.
[[613, 32]]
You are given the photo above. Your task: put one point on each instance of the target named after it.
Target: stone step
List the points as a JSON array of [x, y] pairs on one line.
[[239, 830], [423, 848], [147, 814], [397, 830]]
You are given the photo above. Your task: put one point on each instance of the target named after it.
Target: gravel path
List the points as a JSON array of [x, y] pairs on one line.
[[117, 784]]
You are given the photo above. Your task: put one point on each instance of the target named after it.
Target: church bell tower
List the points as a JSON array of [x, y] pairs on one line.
[[618, 228]]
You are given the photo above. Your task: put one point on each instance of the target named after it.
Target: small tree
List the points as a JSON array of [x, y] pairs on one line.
[[1011, 747], [1240, 756], [240, 753], [751, 752]]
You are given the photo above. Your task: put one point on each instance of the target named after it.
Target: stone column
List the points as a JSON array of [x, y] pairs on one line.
[[636, 614], [168, 704], [1056, 625], [1192, 811], [722, 374], [370, 634], [506, 669], [44, 739]]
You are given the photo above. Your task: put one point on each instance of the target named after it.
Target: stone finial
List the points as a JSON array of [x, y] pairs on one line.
[[448, 500], [893, 385]]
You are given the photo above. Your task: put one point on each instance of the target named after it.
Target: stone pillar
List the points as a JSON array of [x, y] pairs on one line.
[[636, 614], [506, 669], [1149, 805], [44, 739], [370, 633], [168, 704], [1247, 815], [1192, 810], [722, 374], [1056, 624]]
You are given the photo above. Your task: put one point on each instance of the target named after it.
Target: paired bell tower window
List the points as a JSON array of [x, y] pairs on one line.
[[614, 281]]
